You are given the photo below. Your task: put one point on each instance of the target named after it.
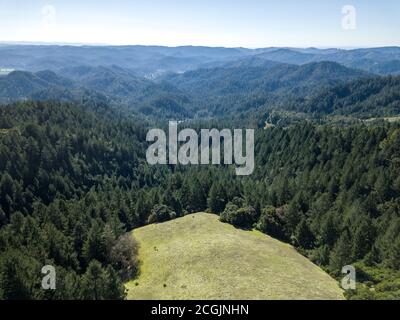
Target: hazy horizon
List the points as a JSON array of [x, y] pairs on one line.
[[72, 44], [234, 23]]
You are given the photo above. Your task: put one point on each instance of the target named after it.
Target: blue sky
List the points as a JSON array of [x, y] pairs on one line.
[[232, 23]]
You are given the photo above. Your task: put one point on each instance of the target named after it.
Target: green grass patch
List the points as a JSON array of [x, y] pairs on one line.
[[198, 257]]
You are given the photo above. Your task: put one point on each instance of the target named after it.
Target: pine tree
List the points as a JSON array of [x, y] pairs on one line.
[[94, 246], [142, 208], [341, 254], [216, 198], [114, 288], [7, 189], [373, 257], [93, 282], [19, 276], [108, 239], [198, 199], [394, 254], [170, 200], [304, 236], [329, 230], [363, 239], [101, 284], [3, 218], [293, 216]]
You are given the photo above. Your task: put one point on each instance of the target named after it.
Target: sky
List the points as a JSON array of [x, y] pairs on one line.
[[228, 23]]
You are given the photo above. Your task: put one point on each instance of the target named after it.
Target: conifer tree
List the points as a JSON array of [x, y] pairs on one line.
[[303, 235]]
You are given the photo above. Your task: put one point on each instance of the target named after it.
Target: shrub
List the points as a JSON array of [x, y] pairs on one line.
[[124, 256], [272, 223], [240, 217], [161, 213], [229, 211]]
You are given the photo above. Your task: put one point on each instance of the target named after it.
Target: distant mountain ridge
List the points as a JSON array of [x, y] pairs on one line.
[[366, 98], [376, 60], [241, 87], [157, 60], [202, 82], [212, 91]]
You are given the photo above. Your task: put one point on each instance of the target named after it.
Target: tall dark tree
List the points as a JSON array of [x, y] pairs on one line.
[[341, 253], [304, 236], [217, 198]]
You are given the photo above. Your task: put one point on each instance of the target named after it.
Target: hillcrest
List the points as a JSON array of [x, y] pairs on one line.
[[191, 151]]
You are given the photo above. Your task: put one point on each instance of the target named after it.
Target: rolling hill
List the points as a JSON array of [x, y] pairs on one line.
[[113, 85], [198, 257], [364, 98], [243, 86], [217, 91], [267, 78]]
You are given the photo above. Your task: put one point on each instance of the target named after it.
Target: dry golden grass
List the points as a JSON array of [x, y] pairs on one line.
[[198, 257]]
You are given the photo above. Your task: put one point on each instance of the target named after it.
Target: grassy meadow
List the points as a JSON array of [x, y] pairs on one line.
[[198, 257]]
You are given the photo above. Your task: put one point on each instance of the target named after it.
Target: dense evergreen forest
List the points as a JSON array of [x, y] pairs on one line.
[[74, 180]]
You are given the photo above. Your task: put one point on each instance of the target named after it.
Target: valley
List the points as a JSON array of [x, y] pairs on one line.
[[75, 179]]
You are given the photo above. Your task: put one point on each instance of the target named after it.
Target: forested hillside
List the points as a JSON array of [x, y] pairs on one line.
[[62, 172], [219, 91], [230, 89], [199, 150], [74, 179], [365, 98]]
